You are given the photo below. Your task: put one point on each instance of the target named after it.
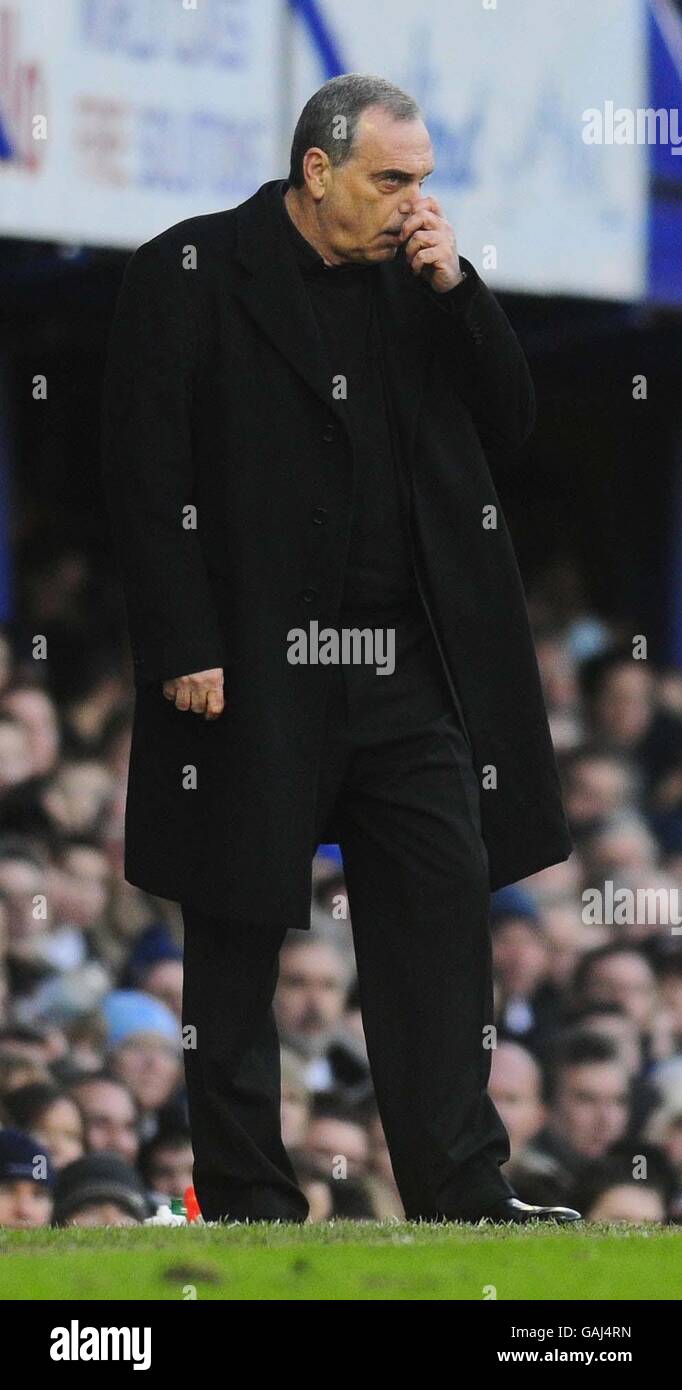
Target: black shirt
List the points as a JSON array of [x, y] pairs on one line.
[[379, 571]]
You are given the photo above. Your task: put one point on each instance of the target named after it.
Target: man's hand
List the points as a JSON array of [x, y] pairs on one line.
[[430, 244], [202, 692]]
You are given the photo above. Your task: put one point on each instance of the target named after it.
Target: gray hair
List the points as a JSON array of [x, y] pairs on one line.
[[347, 97]]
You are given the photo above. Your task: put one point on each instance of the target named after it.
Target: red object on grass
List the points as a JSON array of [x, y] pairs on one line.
[[191, 1204]]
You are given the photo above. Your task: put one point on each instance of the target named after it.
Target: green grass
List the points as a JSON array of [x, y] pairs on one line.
[[341, 1260]]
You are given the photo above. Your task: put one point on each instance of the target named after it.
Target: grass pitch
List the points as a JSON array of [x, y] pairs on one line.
[[343, 1260]]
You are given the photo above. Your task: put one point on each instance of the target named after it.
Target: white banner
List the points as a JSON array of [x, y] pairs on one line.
[[118, 119], [503, 87]]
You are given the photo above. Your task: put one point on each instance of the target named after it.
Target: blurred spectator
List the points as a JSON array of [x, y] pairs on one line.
[[516, 1089], [50, 1116], [77, 796], [568, 938], [588, 1100], [23, 884], [33, 1044], [17, 1071], [336, 1142], [609, 1021], [155, 966], [15, 752], [619, 975], [309, 1008], [166, 1164], [524, 996], [33, 709], [100, 1190], [622, 844], [670, 991], [626, 711], [664, 1128], [598, 784], [623, 1203], [110, 1115], [610, 1192], [144, 1050], [26, 1182]]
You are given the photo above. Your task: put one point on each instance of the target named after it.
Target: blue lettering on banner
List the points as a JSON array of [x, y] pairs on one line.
[[213, 35]]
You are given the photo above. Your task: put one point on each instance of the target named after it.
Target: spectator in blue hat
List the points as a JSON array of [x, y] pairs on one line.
[[26, 1182], [145, 1051]]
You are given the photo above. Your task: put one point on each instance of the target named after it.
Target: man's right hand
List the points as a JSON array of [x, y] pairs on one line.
[[202, 692]]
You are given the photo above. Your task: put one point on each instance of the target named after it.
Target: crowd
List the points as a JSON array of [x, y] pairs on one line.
[[586, 1048]]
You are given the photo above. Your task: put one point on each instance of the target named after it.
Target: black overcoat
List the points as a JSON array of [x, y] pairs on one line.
[[228, 471]]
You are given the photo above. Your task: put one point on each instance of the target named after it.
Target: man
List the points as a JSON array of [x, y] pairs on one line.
[[26, 1182], [516, 1089], [309, 1011], [295, 393], [588, 1099], [619, 974], [110, 1115], [523, 998]]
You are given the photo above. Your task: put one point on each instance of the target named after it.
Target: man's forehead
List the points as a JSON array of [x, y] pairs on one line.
[[384, 143]]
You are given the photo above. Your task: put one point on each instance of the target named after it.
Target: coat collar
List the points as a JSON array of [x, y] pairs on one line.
[[273, 293]]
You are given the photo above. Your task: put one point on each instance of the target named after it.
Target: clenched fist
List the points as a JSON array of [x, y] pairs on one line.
[[202, 692]]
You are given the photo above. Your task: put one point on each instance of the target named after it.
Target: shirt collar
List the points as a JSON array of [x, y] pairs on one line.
[[310, 262]]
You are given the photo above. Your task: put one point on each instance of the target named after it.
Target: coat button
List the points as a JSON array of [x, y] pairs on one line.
[[320, 516], [308, 595], [328, 434]]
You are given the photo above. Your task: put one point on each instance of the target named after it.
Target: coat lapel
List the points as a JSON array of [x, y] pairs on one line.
[[272, 292]]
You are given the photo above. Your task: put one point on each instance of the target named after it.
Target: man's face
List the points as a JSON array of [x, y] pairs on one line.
[[21, 880], [61, 1131], [24, 1203], [164, 981], [361, 200], [626, 980], [330, 1140], [15, 754], [515, 1090], [171, 1169], [36, 713], [625, 703], [110, 1118], [150, 1067], [590, 1110], [596, 787], [310, 996], [520, 957], [101, 1214]]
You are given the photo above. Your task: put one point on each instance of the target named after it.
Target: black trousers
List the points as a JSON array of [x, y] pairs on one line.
[[398, 777]]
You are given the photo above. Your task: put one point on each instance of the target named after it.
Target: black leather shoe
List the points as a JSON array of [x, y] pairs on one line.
[[511, 1210]]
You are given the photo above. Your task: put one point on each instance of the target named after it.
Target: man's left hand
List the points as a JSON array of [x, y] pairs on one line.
[[430, 244]]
